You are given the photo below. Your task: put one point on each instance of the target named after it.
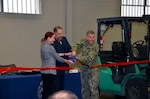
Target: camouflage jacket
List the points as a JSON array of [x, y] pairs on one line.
[[89, 52]]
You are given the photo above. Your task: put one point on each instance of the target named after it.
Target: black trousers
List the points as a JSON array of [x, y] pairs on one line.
[[48, 85], [60, 79]]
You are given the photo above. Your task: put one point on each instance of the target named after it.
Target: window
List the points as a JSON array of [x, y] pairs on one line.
[[135, 8], [22, 6], [0, 6], [147, 8]]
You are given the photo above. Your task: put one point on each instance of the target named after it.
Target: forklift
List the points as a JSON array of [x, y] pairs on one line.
[[129, 80]]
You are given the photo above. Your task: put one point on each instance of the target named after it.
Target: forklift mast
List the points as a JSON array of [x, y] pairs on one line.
[[126, 25], [148, 40]]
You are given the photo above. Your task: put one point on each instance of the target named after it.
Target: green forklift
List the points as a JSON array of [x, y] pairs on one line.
[[129, 80]]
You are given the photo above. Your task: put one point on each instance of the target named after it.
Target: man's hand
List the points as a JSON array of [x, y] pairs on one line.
[[73, 53], [68, 54]]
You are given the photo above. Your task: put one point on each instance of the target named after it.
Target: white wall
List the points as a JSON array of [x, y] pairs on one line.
[[86, 12], [20, 35]]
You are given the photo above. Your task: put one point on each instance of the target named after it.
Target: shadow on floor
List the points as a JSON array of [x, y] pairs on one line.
[[110, 96]]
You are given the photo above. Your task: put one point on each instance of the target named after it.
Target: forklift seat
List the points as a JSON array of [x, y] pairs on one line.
[[119, 55], [142, 49], [119, 51]]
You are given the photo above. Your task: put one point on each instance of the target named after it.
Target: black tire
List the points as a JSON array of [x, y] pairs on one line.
[[136, 89]]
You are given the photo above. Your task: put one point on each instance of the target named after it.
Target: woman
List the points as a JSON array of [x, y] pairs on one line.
[[49, 57]]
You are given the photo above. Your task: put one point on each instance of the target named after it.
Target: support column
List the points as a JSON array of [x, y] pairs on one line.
[[68, 20]]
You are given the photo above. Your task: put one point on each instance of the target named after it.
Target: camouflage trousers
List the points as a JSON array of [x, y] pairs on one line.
[[89, 83]]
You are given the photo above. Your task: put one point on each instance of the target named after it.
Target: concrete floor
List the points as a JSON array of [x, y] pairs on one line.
[[107, 96], [110, 96]]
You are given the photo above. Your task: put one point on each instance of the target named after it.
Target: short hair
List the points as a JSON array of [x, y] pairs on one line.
[[90, 32], [63, 94], [56, 28]]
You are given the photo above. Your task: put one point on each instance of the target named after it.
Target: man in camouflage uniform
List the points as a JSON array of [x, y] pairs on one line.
[[89, 76]]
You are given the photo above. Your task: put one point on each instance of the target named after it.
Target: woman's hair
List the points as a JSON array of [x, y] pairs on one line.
[[47, 34], [56, 28]]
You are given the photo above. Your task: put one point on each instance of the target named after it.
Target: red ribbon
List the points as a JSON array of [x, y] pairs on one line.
[[6, 69], [122, 63]]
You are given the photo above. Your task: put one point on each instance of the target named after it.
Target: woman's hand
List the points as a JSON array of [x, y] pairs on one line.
[[69, 62]]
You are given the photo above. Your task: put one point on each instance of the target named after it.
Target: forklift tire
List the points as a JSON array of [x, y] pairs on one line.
[[136, 89]]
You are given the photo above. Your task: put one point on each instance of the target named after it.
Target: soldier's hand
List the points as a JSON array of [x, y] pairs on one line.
[[73, 53]]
